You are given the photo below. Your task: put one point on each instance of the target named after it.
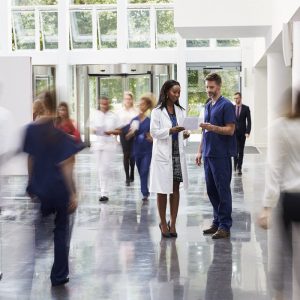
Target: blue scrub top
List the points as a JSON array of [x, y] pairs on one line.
[[48, 146], [219, 114], [141, 145]]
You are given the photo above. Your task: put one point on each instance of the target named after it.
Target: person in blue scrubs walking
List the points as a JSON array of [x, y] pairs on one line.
[[142, 144], [217, 147]]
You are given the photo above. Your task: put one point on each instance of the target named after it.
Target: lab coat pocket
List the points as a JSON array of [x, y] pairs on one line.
[[161, 151]]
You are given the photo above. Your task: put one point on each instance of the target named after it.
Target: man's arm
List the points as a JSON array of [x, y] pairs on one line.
[[228, 129], [248, 118]]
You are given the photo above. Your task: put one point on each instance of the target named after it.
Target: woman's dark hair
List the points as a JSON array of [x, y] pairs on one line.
[[163, 96], [66, 106]]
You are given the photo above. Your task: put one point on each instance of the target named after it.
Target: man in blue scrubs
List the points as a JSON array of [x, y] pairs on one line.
[[217, 147]]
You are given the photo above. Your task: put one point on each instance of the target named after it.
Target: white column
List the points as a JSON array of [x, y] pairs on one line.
[[259, 113], [5, 28], [181, 71], [296, 59], [63, 69], [279, 80]]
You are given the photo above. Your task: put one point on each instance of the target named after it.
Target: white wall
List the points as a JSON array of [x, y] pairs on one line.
[[16, 96], [234, 18]]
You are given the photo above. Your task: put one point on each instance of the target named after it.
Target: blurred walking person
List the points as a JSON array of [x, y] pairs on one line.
[[50, 170], [142, 142], [126, 114], [281, 202], [104, 124]]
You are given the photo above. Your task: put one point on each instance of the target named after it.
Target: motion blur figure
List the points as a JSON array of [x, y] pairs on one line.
[[126, 114], [142, 142], [50, 172], [281, 211], [103, 124], [64, 122]]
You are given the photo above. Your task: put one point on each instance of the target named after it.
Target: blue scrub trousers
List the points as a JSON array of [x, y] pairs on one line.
[[59, 206], [218, 173], [143, 165]]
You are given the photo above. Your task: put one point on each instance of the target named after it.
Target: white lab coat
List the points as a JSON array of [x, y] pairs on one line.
[[161, 169]]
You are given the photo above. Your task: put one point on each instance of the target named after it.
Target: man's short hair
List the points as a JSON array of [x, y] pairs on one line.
[[238, 93], [214, 77]]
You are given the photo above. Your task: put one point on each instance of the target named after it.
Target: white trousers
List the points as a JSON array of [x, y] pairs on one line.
[[104, 165]]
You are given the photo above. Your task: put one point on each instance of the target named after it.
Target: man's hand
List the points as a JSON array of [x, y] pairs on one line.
[[198, 159], [247, 135], [264, 218], [207, 126], [176, 129], [72, 204]]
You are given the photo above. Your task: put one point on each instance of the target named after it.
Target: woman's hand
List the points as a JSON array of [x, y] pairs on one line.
[[265, 217], [149, 137], [72, 204], [186, 134], [176, 129]]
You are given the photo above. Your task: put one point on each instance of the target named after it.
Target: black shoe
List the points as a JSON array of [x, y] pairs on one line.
[[103, 199], [221, 234], [127, 182], [211, 230], [240, 172], [131, 178], [165, 235], [145, 199], [173, 234], [66, 280]]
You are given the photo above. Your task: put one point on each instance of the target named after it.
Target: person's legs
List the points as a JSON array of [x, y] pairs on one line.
[[105, 171], [241, 145], [143, 166], [221, 169], [131, 161], [174, 204], [162, 207], [126, 155], [60, 268], [212, 191]]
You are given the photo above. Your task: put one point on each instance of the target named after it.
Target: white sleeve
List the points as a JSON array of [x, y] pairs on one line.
[[156, 129], [275, 165]]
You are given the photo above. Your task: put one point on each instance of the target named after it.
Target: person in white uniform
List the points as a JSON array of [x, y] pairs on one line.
[[168, 166], [103, 124]]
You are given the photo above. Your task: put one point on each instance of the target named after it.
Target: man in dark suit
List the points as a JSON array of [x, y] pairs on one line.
[[243, 128]]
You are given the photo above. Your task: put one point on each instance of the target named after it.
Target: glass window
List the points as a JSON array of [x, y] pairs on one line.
[[93, 2], [228, 43], [49, 29], [107, 29], [139, 29], [197, 43], [81, 29], [33, 2], [139, 85], [196, 86], [24, 29], [165, 31], [149, 1]]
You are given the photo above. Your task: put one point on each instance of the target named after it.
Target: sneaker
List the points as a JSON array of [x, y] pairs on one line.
[[211, 230], [221, 234]]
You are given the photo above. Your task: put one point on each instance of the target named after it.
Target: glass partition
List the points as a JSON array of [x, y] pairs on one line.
[[49, 29], [107, 29], [24, 29], [197, 43], [139, 29], [93, 1], [81, 29], [33, 2], [228, 43], [165, 31]]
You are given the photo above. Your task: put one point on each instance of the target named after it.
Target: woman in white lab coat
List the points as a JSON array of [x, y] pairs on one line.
[[168, 166]]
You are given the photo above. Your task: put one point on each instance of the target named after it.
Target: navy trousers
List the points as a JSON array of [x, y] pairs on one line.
[[59, 206], [218, 173], [143, 165]]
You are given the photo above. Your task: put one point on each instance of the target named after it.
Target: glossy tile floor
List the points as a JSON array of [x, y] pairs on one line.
[[116, 248]]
